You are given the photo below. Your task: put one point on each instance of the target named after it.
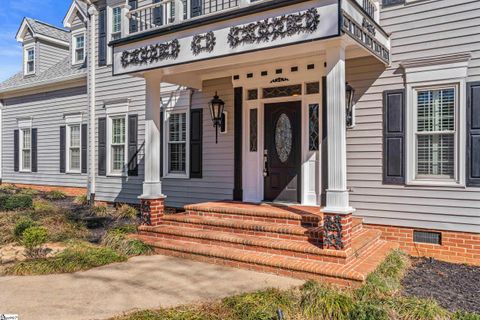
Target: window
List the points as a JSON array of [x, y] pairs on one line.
[[116, 23], [73, 147], [78, 48], [435, 133], [26, 153], [29, 60], [117, 145], [177, 147]]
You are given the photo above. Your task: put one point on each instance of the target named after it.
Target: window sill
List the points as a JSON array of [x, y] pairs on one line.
[[117, 175], [25, 171], [74, 172], [78, 63], [433, 183], [177, 176]]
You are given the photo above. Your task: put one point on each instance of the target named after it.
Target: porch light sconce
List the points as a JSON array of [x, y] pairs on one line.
[[217, 106], [350, 93]]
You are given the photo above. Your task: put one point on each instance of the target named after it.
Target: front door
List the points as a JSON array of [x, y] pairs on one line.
[[282, 154]]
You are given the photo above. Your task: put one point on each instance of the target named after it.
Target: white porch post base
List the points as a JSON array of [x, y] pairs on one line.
[[336, 200]]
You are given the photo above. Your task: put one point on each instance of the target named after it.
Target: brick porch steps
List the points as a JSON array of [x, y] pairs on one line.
[[253, 228], [301, 249], [352, 273]]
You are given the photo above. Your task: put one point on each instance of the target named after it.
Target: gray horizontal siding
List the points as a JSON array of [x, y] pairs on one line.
[[47, 112], [419, 29], [49, 54]]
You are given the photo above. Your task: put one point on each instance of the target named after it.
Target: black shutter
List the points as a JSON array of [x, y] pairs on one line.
[[238, 123], [133, 23], [157, 14], [473, 134], [196, 8], [102, 37], [84, 147], [63, 142], [196, 143], [102, 146], [133, 145], [394, 137], [34, 150], [16, 150], [162, 118]]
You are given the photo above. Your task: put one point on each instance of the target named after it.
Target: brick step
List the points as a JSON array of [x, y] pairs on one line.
[[295, 215], [352, 273], [305, 249], [253, 228], [357, 225]]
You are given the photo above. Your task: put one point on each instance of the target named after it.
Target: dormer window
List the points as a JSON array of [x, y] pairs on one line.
[[29, 60], [78, 52], [116, 23]]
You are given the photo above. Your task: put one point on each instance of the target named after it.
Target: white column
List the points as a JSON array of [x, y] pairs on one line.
[[179, 10], [337, 193], [244, 3], [91, 44], [152, 186]]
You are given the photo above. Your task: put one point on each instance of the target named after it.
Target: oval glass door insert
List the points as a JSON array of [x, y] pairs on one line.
[[283, 137]]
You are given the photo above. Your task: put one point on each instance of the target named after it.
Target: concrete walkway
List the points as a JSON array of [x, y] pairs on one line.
[[141, 283]]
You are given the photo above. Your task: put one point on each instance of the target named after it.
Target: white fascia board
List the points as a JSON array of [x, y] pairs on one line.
[[67, 21], [38, 85], [22, 30]]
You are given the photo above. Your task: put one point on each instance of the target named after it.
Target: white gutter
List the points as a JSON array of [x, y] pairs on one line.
[[93, 12]]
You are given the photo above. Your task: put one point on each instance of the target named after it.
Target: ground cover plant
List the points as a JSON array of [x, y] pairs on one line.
[[380, 298], [80, 237]]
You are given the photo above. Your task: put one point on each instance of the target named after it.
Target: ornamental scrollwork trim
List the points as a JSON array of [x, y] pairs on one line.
[[145, 213], [332, 232], [274, 28], [151, 53], [205, 42]]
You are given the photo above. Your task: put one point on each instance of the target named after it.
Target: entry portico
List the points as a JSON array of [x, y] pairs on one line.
[[286, 61]]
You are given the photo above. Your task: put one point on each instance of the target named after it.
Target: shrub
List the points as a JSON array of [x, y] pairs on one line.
[[15, 202], [21, 226], [30, 192], [78, 257], [81, 200], [100, 210], [7, 188], [261, 305], [55, 195], [318, 301], [43, 206], [413, 308], [126, 211], [60, 228], [117, 239], [8, 221], [33, 238]]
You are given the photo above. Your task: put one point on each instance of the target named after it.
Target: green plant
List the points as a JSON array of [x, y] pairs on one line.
[[30, 192], [8, 221], [60, 228], [15, 202], [81, 200], [100, 210], [319, 301], [33, 238], [126, 211], [261, 305], [22, 225], [117, 239], [42, 206], [465, 316], [79, 256], [412, 308], [7, 188], [55, 195]]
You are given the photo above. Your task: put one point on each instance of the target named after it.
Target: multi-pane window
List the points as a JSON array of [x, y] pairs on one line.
[[26, 150], [74, 143], [118, 145], [177, 143], [30, 61], [79, 48], [436, 133], [116, 23]]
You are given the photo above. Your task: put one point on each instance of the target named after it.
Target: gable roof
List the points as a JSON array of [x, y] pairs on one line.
[[58, 73], [43, 31], [76, 6]]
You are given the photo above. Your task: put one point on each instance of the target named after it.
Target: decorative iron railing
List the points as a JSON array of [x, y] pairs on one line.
[[369, 8]]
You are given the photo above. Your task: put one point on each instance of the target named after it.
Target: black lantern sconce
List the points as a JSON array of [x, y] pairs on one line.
[[217, 106], [350, 93]]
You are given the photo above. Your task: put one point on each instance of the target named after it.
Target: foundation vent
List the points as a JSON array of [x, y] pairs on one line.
[[427, 237]]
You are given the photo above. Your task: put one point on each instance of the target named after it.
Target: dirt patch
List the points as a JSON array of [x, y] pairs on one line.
[[456, 287]]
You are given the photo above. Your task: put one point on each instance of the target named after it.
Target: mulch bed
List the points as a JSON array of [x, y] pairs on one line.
[[456, 287]]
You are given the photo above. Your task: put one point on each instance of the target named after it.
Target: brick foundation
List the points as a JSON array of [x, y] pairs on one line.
[[337, 225], [152, 211], [456, 247], [69, 191]]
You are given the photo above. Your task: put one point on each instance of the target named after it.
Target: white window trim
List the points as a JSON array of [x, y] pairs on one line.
[[124, 26], [460, 136], [22, 169], [166, 173], [25, 59], [68, 135], [110, 172], [74, 46]]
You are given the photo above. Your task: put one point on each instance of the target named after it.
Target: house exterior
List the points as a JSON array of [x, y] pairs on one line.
[[366, 114]]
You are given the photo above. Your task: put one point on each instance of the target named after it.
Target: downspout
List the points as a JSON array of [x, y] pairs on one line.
[[93, 12], [1, 140]]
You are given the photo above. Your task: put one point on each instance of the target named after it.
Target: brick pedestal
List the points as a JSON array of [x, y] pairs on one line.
[[152, 211], [337, 231]]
